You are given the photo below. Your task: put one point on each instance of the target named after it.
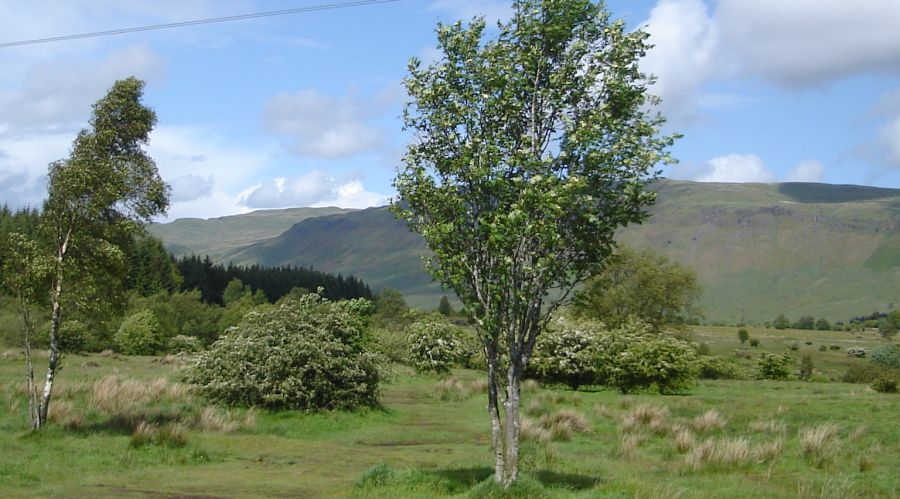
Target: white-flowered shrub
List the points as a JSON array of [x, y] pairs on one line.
[[435, 344], [308, 353]]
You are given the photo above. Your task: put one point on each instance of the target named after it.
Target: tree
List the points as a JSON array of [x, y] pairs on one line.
[[805, 322], [444, 307], [781, 322], [743, 335], [530, 151], [823, 325], [641, 285], [97, 199]]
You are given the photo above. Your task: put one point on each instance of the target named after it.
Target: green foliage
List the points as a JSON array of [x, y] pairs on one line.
[[888, 356], [306, 354], [781, 322], [567, 353], [823, 325], [140, 334], [522, 171], [743, 335], [864, 373], [715, 367], [389, 304], [805, 322], [444, 307], [184, 344], [434, 344], [754, 342], [888, 326], [806, 367], [641, 285], [630, 357], [885, 384], [771, 366], [637, 358]]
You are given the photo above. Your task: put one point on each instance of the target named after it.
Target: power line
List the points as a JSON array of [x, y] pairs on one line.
[[211, 20]]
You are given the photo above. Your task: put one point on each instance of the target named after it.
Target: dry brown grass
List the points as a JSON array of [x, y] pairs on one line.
[[112, 395], [456, 389], [628, 445], [709, 420], [683, 440], [820, 444], [602, 411], [529, 385], [63, 413], [651, 417], [767, 452], [530, 429], [719, 453], [214, 419], [564, 423], [857, 433]]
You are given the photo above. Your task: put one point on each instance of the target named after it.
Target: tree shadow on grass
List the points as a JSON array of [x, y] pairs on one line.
[[462, 479]]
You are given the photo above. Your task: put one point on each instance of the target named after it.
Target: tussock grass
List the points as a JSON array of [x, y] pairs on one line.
[[559, 426], [113, 395], [709, 420], [645, 416], [531, 430], [683, 440], [719, 453], [63, 413], [820, 444], [456, 389], [857, 433], [602, 411], [628, 445], [768, 452]]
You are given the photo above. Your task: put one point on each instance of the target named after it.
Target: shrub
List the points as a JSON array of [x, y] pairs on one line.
[[863, 373], [772, 366], [434, 344], [715, 367], [885, 384], [308, 353], [185, 344], [567, 353], [754, 342], [888, 356], [806, 367], [834, 347], [140, 334], [633, 357], [743, 335], [822, 348]]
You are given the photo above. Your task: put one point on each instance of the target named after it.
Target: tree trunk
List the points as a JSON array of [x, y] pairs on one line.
[[494, 411], [511, 428], [28, 328], [53, 363]]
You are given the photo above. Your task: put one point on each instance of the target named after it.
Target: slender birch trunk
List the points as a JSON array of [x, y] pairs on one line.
[[494, 412], [28, 328], [511, 428]]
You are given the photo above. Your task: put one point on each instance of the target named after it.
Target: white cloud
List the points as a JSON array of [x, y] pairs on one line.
[[806, 171], [58, 95], [808, 42], [685, 40], [492, 10], [736, 168], [322, 126], [315, 188], [190, 187], [889, 138]]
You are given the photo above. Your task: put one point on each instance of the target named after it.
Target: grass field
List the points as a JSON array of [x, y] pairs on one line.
[[430, 438]]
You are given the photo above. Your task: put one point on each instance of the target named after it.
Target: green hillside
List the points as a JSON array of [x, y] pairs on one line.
[[218, 236], [759, 249]]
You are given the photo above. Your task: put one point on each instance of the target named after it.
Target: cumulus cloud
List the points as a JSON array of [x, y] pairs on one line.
[[685, 40], [806, 171], [315, 188], [323, 126], [736, 168], [809, 42], [58, 95]]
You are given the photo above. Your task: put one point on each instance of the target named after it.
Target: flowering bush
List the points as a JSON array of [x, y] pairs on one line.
[[434, 344], [629, 357], [308, 353], [567, 353]]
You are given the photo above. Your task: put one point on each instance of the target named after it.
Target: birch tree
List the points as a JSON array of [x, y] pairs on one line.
[[530, 150], [98, 199]]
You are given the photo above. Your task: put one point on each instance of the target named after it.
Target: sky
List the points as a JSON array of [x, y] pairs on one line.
[[304, 109]]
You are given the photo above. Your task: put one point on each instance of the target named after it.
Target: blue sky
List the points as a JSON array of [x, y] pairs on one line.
[[303, 110]]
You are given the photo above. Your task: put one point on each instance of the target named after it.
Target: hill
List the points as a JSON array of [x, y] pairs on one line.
[[217, 237], [759, 249]]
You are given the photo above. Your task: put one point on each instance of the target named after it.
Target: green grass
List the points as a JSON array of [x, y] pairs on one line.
[[418, 444]]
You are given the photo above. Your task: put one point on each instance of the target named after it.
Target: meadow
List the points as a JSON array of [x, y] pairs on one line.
[[127, 426]]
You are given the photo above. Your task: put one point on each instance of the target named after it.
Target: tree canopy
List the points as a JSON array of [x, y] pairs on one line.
[[530, 150]]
